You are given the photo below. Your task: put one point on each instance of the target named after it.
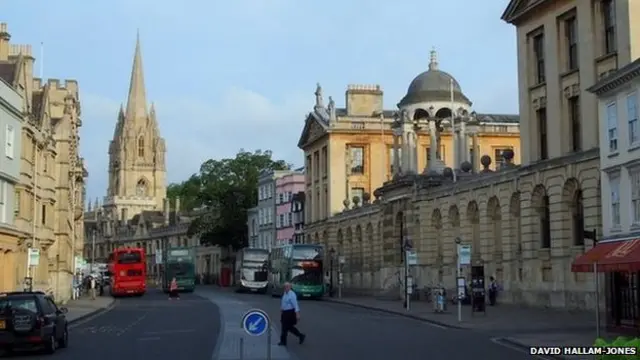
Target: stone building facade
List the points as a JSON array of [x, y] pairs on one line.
[[349, 151], [50, 194], [525, 223]]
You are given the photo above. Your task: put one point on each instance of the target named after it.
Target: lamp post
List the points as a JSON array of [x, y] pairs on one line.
[[332, 253], [458, 276]]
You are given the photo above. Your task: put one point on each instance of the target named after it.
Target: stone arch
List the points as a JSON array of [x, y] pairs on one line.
[[436, 225], [540, 203], [515, 230], [573, 206], [494, 213], [399, 232], [421, 114], [325, 240], [473, 217], [359, 254], [443, 113], [372, 253], [142, 187], [316, 239], [348, 255]]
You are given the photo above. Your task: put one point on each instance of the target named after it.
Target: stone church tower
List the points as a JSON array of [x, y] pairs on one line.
[[137, 170]]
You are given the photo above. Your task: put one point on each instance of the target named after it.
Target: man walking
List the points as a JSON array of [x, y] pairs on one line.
[[290, 315], [92, 287]]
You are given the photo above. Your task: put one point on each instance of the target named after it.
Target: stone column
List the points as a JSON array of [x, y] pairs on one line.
[[396, 153], [476, 156], [414, 151], [433, 149], [464, 143]]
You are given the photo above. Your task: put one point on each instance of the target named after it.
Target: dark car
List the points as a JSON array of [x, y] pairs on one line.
[[32, 320]]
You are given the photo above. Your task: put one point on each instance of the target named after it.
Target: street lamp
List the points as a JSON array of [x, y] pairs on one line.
[[332, 253], [460, 283]]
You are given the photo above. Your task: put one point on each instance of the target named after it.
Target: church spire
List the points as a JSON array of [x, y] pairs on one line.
[[137, 100]]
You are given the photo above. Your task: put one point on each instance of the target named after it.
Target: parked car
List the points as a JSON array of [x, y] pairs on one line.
[[31, 320]]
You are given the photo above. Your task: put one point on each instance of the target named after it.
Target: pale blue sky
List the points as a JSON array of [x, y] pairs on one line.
[[238, 74]]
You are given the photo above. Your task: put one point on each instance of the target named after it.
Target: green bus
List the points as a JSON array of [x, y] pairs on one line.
[[179, 262], [302, 266]]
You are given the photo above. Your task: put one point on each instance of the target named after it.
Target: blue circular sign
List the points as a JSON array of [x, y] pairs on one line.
[[255, 322]]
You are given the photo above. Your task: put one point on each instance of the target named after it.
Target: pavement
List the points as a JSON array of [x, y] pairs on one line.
[[509, 325], [338, 332], [148, 327], [84, 307]]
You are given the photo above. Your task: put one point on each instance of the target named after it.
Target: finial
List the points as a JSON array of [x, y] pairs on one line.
[[433, 63], [318, 93]]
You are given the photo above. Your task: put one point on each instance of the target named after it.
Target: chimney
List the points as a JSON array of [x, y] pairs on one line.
[[4, 42], [166, 210], [177, 205]]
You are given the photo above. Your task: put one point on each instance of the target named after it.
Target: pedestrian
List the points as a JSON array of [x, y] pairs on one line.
[[493, 291], [76, 287], [173, 290], [290, 315], [92, 287]]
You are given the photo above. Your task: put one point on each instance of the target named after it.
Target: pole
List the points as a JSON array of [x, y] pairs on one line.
[[453, 134], [35, 207], [597, 285], [458, 275], [407, 296], [339, 278], [269, 336], [384, 171], [73, 224], [241, 349], [93, 251]]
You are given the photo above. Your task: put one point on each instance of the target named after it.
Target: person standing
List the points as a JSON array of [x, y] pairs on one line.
[[92, 287], [290, 315], [76, 287], [173, 290]]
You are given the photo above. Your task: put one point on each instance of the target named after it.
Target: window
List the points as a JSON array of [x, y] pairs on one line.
[[289, 196], [280, 198], [16, 208], [325, 162], [356, 154], [542, 126], [357, 192], [290, 219], [612, 126], [280, 221], [307, 170], [43, 215], [316, 165], [614, 185], [259, 193], [571, 33], [9, 145], [538, 54], [3, 202], [635, 195], [574, 118], [499, 156], [545, 223], [141, 147], [632, 118], [578, 219], [609, 26]]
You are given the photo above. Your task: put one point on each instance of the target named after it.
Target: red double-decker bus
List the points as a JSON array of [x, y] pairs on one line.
[[128, 270]]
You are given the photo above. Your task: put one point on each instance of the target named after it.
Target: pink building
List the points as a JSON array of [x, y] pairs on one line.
[[286, 186]]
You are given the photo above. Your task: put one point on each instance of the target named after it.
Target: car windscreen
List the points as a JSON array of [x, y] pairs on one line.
[[26, 303], [129, 258]]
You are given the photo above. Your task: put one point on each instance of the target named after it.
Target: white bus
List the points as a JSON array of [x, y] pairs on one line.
[[252, 270]]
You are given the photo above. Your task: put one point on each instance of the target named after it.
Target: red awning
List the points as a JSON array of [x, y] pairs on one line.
[[610, 256]]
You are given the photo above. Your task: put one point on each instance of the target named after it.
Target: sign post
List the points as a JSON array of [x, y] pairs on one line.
[[341, 261], [256, 322], [464, 258], [410, 258]]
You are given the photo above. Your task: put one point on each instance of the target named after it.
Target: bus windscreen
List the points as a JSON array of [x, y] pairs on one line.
[[307, 253], [129, 258], [255, 256]]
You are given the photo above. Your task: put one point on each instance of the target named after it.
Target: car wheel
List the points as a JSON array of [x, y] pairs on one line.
[[64, 341], [51, 345]]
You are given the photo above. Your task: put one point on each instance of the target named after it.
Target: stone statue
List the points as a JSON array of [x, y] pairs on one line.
[[405, 117], [332, 109], [318, 93]]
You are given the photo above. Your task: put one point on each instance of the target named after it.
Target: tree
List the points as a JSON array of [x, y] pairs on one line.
[[188, 191], [227, 189]]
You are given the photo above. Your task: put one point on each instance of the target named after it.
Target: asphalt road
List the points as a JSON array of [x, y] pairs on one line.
[[150, 327], [342, 332]]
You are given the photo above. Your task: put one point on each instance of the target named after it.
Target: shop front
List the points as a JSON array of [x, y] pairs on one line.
[[619, 261]]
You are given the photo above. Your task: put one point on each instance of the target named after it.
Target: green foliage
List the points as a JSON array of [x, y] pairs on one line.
[[225, 188], [619, 342]]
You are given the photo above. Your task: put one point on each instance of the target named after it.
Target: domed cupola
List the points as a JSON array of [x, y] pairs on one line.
[[433, 85]]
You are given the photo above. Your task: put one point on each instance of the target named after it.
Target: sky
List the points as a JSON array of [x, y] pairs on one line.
[[231, 75]]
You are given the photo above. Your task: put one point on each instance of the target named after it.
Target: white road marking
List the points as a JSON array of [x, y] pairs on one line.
[[149, 338], [167, 332], [499, 341]]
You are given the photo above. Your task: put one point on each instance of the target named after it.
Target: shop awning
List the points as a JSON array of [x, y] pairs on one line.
[[610, 256]]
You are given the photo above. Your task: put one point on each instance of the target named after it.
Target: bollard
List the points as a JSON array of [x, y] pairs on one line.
[[241, 348]]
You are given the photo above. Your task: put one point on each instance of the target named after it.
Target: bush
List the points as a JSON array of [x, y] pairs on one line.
[[620, 341]]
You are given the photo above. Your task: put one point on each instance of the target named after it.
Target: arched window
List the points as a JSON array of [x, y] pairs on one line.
[[578, 219], [141, 188], [141, 147], [545, 223]]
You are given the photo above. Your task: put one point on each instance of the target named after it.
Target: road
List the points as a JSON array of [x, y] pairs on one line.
[[150, 327], [341, 332]]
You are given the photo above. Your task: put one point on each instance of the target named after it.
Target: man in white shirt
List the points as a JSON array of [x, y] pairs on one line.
[[92, 287]]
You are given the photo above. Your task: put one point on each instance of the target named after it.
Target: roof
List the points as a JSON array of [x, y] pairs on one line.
[[617, 78], [517, 8], [8, 71]]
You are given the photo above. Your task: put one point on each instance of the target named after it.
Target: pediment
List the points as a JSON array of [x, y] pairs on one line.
[[313, 129], [517, 8]]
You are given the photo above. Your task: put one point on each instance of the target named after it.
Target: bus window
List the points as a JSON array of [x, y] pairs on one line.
[[307, 253], [129, 258]]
